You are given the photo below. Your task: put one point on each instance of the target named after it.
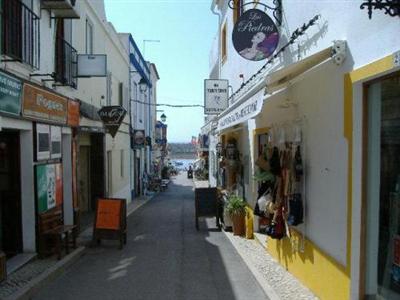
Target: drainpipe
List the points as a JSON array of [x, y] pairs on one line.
[[219, 34]]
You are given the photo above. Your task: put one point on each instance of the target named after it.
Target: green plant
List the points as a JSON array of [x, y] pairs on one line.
[[263, 176], [236, 206]]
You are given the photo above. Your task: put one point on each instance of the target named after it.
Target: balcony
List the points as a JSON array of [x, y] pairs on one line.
[[20, 34], [66, 65], [62, 8]]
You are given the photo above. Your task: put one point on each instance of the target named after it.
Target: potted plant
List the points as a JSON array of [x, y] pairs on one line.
[[236, 208]]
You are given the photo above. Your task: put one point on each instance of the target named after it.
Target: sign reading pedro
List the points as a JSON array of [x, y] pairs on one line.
[[112, 117], [255, 36], [110, 222], [10, 94], [40, 104]]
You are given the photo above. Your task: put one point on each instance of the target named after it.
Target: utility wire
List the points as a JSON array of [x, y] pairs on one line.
[[168, 105]]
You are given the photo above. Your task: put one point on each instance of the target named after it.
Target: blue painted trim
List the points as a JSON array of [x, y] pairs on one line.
[[145, 73]]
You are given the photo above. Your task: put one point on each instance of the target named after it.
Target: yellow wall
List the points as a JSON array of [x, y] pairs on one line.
[[314, 268]]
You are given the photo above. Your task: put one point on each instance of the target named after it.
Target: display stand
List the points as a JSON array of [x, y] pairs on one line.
[[206, 204]]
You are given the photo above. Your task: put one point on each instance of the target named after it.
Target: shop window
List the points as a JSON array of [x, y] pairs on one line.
[[224, 43], [382, 190], [55, 135], [89, 37], [121, 94], [122, 164], [42, 142]]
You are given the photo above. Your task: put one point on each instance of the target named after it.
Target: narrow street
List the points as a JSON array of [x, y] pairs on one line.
[[165, 258]]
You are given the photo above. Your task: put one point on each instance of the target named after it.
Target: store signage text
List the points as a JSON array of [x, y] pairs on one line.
[[244, 112], [39, 104], [215, 96], [255, 35], [10, 94]]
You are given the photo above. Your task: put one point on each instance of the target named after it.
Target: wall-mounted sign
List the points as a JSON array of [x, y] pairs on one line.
[[112, 117], [10, 94], [215, 96], [255, 36], [49, 186], [242, 113], [139, 138], [92, 65], [39, 104], [73, 113]]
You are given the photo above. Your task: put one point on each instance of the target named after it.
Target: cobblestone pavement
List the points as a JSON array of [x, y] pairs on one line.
[[284, 284], [23, 276]]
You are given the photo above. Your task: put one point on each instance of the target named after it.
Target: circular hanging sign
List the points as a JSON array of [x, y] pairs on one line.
[[255, 36]]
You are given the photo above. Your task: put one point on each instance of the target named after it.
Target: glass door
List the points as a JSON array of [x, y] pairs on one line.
[[383, 190]]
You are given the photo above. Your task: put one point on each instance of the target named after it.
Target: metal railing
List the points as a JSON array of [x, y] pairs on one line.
[[20, 33], [66, 65]]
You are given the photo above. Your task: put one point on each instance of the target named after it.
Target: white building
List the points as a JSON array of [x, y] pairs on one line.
[[49, 116], [338, 102]]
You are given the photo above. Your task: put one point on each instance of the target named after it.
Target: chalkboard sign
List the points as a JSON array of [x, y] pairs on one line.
[[110, 220], [205, 203]]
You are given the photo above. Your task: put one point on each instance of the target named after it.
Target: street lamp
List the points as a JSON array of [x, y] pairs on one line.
[[163, 118], [142, 85]]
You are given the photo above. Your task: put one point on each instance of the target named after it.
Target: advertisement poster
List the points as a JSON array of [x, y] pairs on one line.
[[49, 186]]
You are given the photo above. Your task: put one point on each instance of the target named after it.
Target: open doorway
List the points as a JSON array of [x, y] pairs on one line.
[[10, 194]]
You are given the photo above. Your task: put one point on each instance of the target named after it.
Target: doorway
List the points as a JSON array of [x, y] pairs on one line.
[[10, 195], [382, 189]]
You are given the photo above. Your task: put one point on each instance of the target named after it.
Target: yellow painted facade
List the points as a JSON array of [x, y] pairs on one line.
[[318, 271]]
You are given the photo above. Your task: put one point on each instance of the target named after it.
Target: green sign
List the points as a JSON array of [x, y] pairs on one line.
[[48, 186], [10, 94]]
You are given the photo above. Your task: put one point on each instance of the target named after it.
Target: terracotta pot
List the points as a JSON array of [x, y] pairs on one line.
[[238, 224]]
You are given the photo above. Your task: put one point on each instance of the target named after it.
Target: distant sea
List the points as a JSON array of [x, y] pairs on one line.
[[182, 164]]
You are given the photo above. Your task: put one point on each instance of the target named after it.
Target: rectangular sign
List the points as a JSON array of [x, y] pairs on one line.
[[10, 94], [243, 112], [39, 104], [73, 113], [49, 186], [108, 214], [215, 96], [92, 65]]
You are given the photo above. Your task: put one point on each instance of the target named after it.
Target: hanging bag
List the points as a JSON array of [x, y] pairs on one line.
[[295, 210]]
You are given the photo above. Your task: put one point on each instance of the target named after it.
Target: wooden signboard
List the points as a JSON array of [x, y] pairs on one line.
[[110, 220]]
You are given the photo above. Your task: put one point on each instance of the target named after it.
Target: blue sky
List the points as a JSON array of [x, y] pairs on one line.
[[185, 29]]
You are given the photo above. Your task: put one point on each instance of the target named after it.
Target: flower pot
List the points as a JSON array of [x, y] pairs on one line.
[[239, 225]]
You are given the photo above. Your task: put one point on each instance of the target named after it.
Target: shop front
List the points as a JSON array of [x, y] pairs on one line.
[[11, 239], [91, 168]]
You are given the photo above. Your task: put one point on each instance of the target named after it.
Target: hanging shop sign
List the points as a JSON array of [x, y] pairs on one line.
[[255, 35], [138, 139], [39, 104], [10, 94], [215, 96], [49, 188], [73, 113], [112, 117], [242, 113], [110, 220]]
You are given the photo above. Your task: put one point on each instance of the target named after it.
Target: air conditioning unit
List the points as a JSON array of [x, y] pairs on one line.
[[67, 9]]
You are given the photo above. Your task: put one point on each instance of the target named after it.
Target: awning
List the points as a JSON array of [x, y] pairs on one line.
[[278, 79], [243, 112]]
